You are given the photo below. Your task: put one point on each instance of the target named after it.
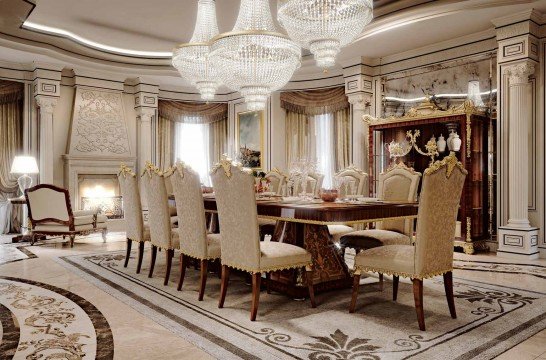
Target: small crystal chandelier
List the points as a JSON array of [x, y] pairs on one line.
[[192, 59], [254, 58], [474, 93], [324, 26]]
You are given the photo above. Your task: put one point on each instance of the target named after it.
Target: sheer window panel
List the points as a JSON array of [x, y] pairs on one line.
[[191, 145], [325, 147]]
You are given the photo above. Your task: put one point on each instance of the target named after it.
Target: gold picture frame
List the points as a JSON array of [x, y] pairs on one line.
[[249, 130]]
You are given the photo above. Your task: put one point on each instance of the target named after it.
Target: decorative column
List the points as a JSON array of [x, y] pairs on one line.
[[518, 238], [360, 107], [47, 106], [145, 137]]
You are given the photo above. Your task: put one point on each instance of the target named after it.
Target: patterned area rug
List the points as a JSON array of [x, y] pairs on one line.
[[491, 318], [40, 321]]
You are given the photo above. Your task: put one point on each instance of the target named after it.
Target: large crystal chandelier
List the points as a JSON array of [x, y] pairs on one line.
[[324, 26], [192, 59], [254, 58]]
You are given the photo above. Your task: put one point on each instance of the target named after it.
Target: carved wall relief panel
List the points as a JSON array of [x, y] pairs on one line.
[[98, 124]]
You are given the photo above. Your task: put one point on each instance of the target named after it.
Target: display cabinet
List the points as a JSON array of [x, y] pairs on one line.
[[419, 129]]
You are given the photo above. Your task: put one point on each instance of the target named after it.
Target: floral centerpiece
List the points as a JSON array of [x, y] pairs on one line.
[[261, 182]]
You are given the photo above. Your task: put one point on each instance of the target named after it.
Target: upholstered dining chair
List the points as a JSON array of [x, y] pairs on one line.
[[349, 178], [162, 233], [50, 213], [432, 254], [313, 184], [397, 183], [192, 230], [136, 229], [240, 236], [276, 180]]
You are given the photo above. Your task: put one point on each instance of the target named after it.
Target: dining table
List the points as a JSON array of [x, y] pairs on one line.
[[305, 224]]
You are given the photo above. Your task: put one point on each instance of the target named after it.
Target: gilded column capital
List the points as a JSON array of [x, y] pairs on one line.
[[47, 104], [519, 73], [145, 114]]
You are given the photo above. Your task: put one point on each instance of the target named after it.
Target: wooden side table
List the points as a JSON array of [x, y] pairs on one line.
[[25, 235]]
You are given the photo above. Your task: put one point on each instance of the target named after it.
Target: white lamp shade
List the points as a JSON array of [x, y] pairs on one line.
[[24, 165]]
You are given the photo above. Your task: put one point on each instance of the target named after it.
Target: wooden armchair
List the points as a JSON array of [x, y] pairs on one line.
[[50, 213]]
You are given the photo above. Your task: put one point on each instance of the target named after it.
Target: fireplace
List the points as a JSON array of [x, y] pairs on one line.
[[100, 192]]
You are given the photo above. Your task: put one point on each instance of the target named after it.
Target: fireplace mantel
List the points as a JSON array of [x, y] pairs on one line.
[[75, 165]]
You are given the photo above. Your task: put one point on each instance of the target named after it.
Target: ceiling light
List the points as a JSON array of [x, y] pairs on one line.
[[192, 59], [324, 26], [254, 58], [68, 34]]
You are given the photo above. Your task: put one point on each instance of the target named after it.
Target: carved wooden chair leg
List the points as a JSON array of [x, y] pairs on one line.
[[128, 253], [33, 239], [448, 286], [418, 296], [152, 262], [310, 285], [183, 265], [256, 280], [204, 266], [356, 284], [395, 280], [380, 282], [267, 282], [140, 256], [170, 254], [72, 237], [223, 286]]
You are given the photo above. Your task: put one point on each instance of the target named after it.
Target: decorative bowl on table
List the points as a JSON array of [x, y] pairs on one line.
[[329, 195]]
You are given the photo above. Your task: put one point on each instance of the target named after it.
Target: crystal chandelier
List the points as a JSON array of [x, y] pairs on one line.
[[192, 59], [254, 58], [324, 26]]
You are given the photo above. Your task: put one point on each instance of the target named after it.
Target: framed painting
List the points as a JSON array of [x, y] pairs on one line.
[[249, 132]]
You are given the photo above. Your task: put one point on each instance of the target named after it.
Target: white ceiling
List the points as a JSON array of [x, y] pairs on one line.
[[158, 26]]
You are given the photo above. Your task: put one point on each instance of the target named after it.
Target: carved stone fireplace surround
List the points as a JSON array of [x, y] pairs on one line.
[[76, 165]]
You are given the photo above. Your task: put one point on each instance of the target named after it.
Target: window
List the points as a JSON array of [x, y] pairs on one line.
[[324, 147], [191, 145]]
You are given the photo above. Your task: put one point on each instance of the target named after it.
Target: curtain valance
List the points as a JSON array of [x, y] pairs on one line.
[[315, 102], [188, 112], [11, 91]]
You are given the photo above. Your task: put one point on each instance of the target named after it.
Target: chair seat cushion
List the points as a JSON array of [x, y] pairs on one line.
[[389, 259], [367, 239], [84, 212], [337, 231], [213, 246], [262, 221], [278, 256], [84, 219], [58, 228]]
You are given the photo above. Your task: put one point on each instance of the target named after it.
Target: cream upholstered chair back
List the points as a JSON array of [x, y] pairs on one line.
[[352, 178], [316, 179], [132, 206], [192, 225], [276, 181], [438, 206], [398, 183], [238, 216], [48, 202], [158, 214]]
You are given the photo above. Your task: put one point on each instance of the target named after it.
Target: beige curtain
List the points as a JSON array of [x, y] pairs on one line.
[[315, 102], [188, 112], [217, 140], [342, 139], [298, 141], [11, 131], [165, 141]]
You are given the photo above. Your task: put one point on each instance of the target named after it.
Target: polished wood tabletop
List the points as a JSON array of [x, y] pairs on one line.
[[328, 213]]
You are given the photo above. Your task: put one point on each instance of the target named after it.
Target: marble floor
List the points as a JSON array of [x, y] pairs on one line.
[[136, 336]]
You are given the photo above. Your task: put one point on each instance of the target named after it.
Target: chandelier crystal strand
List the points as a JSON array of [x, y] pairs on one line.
[[254, 58], [192, 59], [324, 26]]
